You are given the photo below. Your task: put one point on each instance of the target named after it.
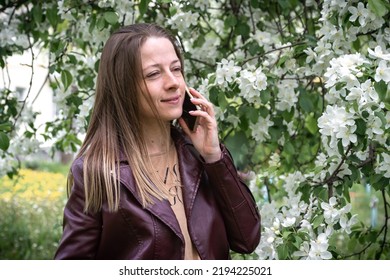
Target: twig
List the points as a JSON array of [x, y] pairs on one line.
[[30, 84], [274, 50]]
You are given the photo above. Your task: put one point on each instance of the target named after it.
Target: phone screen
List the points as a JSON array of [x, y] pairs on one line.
[[188, 106]]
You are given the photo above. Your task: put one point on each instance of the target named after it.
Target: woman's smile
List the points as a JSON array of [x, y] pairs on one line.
[[174, 100]]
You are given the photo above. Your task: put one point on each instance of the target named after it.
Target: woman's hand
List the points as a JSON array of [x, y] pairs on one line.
[[205, 136]]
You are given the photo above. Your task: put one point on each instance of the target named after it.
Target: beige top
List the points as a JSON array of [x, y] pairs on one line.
[[166, 165]]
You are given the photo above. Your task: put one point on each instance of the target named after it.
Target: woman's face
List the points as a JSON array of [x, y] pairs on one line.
[[161, 70]]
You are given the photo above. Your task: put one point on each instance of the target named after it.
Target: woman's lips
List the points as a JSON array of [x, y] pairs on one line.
[[173, 100]]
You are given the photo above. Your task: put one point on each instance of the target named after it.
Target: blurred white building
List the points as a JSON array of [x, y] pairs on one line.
[[31, 84]]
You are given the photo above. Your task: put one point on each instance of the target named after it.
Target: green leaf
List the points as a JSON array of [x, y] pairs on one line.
[[199, 41], [286, 234], [37, 13], [53, 16], [318, 220], [355, 172], [4, 141], [356, 44], [381, 89], [379, 7], [282, 60], [237, 147], [275, 133], [305, 102], [382, 117], [311, 124], [172, 10], [252, 114], [101, 23], [243, 29], [230, 21], [346, 193], [282, 251], [321, 193], [254, 48], [297, 241], [222, 102], [92, 23], [6, 126], [74, 99], [289, 148], [340, 147], [66, 78], [361, 127], [284, 4], [111, 17], [214, 95], [382, 184], [265, 96], [288, 115], [333, 19], [263, 112], [255, 3], [143, 6]]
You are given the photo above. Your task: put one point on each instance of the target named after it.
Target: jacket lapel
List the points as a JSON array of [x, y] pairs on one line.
[[190, 172], [161, 209]]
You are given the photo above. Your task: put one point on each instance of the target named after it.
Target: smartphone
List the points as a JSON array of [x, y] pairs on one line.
[[191, 121]]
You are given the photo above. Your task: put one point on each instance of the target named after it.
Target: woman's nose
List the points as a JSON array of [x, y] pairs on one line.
[[172, 80]]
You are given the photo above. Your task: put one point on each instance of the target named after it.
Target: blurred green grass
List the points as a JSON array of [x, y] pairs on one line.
[[31, 206]]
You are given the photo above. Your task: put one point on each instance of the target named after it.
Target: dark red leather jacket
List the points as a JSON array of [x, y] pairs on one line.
[[221, 212]]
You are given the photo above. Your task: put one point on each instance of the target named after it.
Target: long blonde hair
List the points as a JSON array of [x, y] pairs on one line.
[[115, 125]]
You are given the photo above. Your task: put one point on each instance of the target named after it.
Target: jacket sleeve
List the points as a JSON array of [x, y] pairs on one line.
[[81, 231], [238, 207]]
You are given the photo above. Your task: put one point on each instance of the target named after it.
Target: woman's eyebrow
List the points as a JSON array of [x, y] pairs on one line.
[[158, 64]]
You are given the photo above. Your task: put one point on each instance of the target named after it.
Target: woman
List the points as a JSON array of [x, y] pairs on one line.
[[142, 188]]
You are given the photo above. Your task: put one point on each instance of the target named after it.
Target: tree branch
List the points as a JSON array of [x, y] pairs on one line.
[[271, 51], [30, 83]]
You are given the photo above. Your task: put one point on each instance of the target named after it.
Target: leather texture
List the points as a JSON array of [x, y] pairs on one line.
[[221, 215]]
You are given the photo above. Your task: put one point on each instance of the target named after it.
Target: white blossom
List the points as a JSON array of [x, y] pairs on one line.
[[335, 120], [360, 13], [251, 83], [274, 160], [331, 213], [346, 69], [374, 126], [260, 129], [347, 135], [182, 21], [383, 72], [311, 55], [383, 165], [226, 72], [378, 53], [346, 223], [363, 93], [319, 248], [303, 252]]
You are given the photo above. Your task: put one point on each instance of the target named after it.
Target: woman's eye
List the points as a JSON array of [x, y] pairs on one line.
[[152, 74], [176, 71]]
